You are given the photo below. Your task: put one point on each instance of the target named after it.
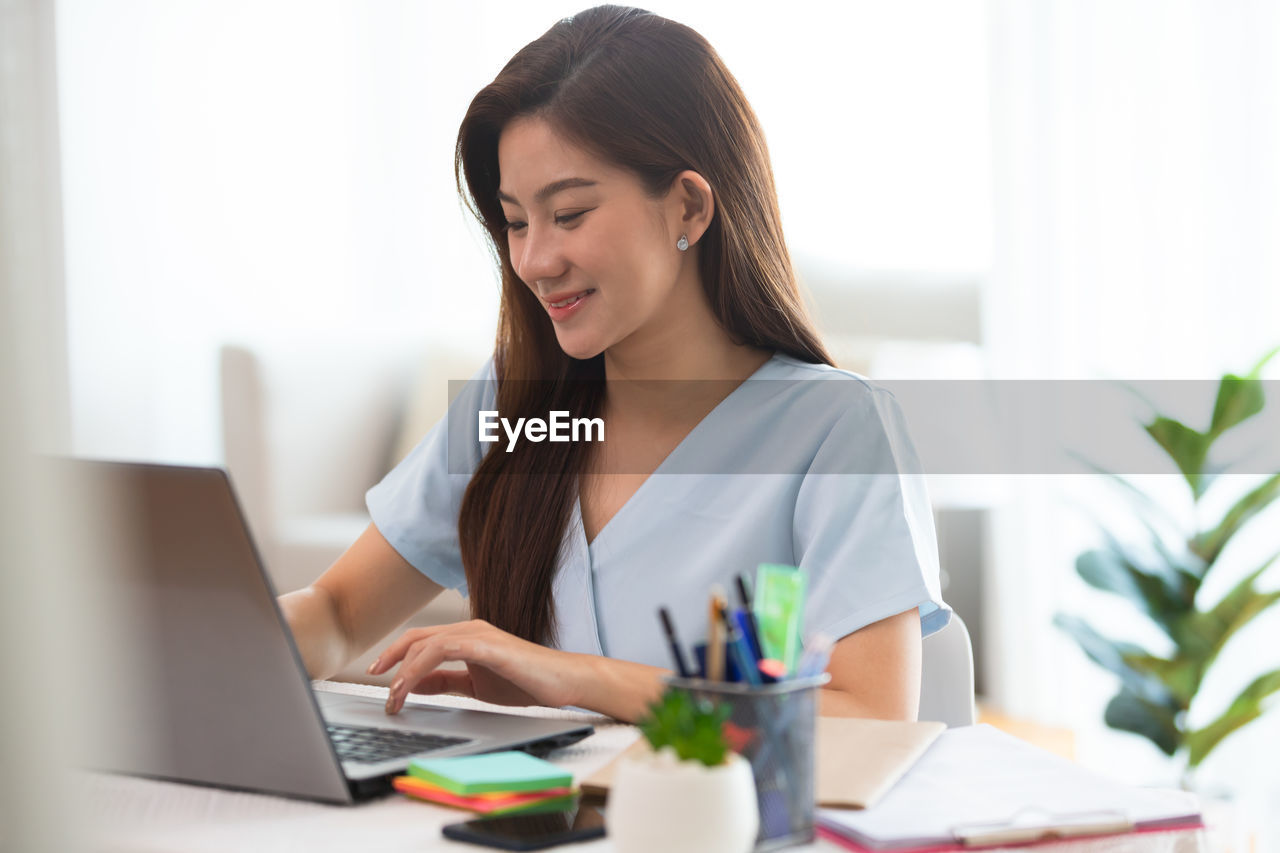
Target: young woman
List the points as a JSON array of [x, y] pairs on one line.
[[625, 184]]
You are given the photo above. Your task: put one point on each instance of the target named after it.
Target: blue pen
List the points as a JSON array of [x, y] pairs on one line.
[[742, 619], [740, 649]]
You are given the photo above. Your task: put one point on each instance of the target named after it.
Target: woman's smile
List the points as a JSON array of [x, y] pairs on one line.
[[564, 304]]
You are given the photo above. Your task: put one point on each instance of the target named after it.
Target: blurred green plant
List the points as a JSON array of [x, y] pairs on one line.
[[1156, 692], [693, 728]]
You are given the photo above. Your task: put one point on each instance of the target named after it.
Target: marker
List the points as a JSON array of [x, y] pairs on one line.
[[676, 654], [772, 670]]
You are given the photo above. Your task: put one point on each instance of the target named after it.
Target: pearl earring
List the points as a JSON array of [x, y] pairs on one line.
[[683, 243]]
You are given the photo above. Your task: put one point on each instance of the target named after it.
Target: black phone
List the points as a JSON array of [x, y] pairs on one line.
[[531, 831]]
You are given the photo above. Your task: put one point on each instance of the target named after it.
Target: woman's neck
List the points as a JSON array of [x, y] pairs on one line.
[[686, 342], [685, 363]]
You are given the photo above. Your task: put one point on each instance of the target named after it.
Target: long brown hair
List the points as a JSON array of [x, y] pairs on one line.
[[652, 96]]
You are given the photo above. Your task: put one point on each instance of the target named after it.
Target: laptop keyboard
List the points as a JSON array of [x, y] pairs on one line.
[[369, 745]]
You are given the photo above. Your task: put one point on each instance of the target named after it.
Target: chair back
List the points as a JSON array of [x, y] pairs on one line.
[[946, 675]]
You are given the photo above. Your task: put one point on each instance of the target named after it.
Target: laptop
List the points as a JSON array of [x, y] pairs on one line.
[[209, 687]]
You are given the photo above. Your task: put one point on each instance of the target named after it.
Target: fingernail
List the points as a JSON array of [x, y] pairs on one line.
[[373, 666], [396, 685]]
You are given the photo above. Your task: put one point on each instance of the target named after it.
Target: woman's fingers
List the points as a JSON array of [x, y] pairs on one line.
[[392, 654], [445, 681]]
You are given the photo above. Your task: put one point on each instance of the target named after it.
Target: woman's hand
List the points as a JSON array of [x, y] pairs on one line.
[[501, 667]]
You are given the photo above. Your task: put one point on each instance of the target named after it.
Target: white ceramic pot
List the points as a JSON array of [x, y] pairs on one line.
[[659, 803]]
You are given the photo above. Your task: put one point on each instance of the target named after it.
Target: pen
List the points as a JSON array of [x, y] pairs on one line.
[[737, 644], [681, 669], [753, 631], [715, 638]]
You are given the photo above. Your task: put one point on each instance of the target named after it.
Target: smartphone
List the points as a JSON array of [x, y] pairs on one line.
[[530, 832]]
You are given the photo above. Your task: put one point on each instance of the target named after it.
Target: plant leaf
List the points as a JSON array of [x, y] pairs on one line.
[[1256, 371], [1208, 545], [1239, 398], [1186, 446], [1247, 707], [1163, 599], [1130, 712], [1182, 675], [1114, 656], [1234, 610]]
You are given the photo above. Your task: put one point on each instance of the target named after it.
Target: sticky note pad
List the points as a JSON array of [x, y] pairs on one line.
[[496, 771], [493, 804]]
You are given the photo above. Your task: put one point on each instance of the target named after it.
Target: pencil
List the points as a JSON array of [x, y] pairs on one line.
[[715, 635]]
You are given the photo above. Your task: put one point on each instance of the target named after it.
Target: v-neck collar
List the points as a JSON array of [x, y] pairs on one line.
[[581, 525]]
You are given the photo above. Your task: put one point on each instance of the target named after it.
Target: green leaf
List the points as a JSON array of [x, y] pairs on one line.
[[1163, 598], [1114, 656], [1130, 712], [1246, 708], [1236, 609], [693, 728], [1186, 446], [1256, 371], [1182, 675], [1209, 545], [1239, 398]]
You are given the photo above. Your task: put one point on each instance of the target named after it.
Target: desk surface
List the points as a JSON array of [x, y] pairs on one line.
[[124, 813]]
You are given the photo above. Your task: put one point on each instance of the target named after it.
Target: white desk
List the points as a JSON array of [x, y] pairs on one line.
[[143, 816]]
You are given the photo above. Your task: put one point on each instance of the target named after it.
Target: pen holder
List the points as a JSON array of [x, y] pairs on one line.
[[773, 727]]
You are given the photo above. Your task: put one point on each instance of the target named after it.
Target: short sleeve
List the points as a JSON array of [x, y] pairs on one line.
[[415, 507], [863, 530]]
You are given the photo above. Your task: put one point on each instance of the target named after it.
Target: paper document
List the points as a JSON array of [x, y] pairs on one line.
[[979, 777]]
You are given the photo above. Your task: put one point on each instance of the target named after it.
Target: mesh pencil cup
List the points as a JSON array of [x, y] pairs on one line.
[[773, 728]]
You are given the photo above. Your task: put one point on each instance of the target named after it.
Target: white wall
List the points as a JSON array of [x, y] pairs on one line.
[[250, 168]]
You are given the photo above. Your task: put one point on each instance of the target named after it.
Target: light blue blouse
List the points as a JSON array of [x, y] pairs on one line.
[[825, 479]]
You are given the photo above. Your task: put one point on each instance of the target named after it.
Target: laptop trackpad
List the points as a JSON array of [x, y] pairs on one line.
[[368, 711]]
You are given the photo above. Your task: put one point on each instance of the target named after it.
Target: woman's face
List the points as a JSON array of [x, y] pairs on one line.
[[586, 238]]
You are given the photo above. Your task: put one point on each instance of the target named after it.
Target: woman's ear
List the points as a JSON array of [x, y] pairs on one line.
[[691, 204]]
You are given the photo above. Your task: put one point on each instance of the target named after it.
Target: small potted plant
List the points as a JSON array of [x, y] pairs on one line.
[[690, 792]]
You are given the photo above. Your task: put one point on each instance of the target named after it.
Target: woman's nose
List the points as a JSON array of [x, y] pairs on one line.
[[539, 256]]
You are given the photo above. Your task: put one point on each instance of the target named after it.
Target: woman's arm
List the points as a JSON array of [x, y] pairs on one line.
[[875, 671], [363, 596], [505, 669]]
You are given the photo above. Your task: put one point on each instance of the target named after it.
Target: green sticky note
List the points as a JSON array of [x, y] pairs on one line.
[[496, 771]]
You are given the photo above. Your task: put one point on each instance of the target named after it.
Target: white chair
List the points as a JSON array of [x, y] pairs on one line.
[[308, 425], [946, 676]]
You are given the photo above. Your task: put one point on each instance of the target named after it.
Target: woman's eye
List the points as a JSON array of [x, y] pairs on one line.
[[513, 226], [567, 218]]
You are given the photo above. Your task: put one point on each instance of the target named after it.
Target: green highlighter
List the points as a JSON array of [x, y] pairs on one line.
[[779, 609], [496, 771]]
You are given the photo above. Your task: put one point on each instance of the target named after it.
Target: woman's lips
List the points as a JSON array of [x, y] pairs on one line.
[[565, 304]]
